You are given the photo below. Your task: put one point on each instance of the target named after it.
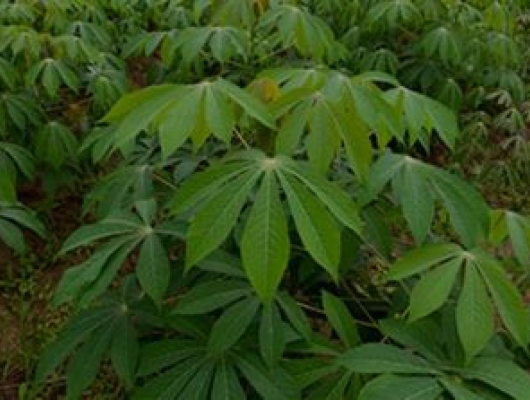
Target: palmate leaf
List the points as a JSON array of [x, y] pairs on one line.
[[483, 278], [422, 115], [335, 109], [217, 196], [418, 185], [222, 43], [55, 143], [76, 330], [444, 43], [123, 223], [52, 74], [296, 27], [83, 368], [76, 280], [179, 112], [127, 230]]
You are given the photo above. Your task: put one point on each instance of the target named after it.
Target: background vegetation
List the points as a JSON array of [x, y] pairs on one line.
[[252, 199]]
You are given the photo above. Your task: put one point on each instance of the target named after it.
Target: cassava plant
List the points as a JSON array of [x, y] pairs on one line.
[[265, 230]]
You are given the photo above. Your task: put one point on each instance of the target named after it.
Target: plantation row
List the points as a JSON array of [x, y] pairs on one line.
[[319, 199]]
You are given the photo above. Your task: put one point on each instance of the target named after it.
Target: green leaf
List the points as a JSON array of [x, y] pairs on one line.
[[382, 172], [112, 226], [340, 319], [422, 112], [76, 330], [210, 296], [294, 314], [467, 209], [178, 119], [25, 218], [381, 359], [458, 391], [519, 231], [506, 298], [198, 387], [250, 104], [170, 384], [417, 202], [271, 335], [501, 374], [422, 336], [474, 314], [432, 291], [214, 221], [12, 236], [158, 355], [388, 387], [55, 143], [420, 259], [219, 114], [152, 268], [336, 200], [143, 104], [124, 349], [292, 129], [269, 386], [232, 324], [78, 278], [202, 185], [323, 141], [8, 193], [84, 367], [317, 229], [226, 385], [265, 241]]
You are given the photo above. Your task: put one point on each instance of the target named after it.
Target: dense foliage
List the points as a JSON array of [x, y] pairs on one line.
[[268, 214]]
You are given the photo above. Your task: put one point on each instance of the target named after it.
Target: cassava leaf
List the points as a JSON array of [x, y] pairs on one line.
[[318, 230], [474, 314], [265, 241], [421, 259], [216, 218], [432, 291]]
